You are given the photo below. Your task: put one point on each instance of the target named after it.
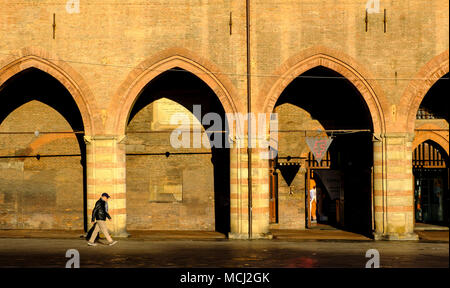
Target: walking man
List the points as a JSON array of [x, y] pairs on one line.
[[99, 214]]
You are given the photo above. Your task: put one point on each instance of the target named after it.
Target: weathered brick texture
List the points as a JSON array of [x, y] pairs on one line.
[[105, 56]]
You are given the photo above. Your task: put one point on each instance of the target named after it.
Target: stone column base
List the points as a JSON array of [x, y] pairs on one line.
[[233, 235], [396, 236]]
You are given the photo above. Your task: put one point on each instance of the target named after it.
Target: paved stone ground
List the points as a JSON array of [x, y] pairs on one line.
[[23, 252], [310, 234]]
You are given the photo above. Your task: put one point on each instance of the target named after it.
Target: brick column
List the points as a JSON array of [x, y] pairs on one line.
[[393, 187], [106, 173], [239, 193], [261, 197]]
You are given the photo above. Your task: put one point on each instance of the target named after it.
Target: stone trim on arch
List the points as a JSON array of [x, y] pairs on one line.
[[337, 61], [419, 86], [128, 92], [61, 71]]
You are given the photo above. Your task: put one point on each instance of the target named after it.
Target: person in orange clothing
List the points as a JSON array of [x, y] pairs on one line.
[[313, 203]]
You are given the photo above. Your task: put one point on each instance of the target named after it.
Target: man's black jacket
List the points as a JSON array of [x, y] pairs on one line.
[[99, 212]]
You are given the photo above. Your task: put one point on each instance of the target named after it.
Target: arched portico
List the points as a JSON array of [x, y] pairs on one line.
[[334, 60], [418, 87], [387, 147], [50, 97], [166, 60], [119, 113], [37, 58]]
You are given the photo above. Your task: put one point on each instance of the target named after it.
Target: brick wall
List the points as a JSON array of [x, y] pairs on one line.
[[190, 175], [99, 55], [45, 193]]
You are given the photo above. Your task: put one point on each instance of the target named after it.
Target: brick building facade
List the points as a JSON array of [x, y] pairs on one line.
[[97, 85]]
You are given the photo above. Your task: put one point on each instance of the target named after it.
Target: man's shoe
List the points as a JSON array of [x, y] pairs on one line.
[[112, 243], [92, 244]]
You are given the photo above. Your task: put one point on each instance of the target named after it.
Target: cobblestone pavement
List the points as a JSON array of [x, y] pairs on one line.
[[23, 252]]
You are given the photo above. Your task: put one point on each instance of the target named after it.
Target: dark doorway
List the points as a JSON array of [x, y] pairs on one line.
[[430, 160], [321, 99], [431, 184]]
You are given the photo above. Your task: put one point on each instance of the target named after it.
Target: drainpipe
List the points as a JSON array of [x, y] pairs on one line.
[[249, 110]]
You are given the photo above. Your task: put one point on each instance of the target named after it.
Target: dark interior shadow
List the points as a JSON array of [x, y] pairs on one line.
[[436, 102], [337, 104]]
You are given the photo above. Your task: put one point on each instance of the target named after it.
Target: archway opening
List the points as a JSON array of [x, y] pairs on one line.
[[323, 103], [174, 186], [431, 186], [430, 160], [42, 155]]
